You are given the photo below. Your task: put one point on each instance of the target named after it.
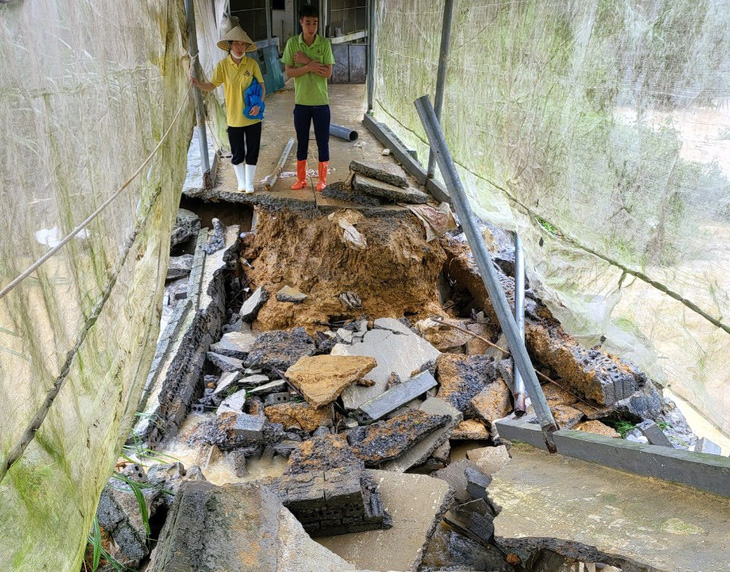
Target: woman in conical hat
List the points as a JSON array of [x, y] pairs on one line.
[[238, 73]]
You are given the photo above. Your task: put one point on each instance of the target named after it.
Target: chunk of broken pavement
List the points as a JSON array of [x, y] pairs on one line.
[[383, 190], [489, 460], [235, 344], [253, 304], [233, 403], [231, 431], [299, 416], [598, 428], [653, 433], [224, 363], [389, 439], [493, 402], [386, 172], [470, 430], [461, 377], [211, 527], [280, 350], [443, 337], [395, 348], [321, 379], [289, 294], [454, 475], [397, 396]]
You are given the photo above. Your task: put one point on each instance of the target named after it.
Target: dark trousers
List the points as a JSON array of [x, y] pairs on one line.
[[304, 115], [245, 143]]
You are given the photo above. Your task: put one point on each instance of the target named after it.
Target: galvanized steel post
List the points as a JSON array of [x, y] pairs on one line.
[[519, 389], [370, 63], [441, 73], [484, 263]]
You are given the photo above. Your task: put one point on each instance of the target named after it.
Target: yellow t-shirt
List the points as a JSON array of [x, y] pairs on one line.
[[236, 79]]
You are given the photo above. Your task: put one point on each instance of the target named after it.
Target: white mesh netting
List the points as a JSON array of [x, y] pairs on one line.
[[601, 132]]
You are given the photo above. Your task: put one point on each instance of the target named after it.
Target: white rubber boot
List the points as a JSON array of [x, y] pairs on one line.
[[250, 178], [241, 176]]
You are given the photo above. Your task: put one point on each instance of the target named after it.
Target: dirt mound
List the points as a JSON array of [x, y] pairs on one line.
[[394, 275]]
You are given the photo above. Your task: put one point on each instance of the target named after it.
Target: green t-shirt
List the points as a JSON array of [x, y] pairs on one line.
[[310, 88]]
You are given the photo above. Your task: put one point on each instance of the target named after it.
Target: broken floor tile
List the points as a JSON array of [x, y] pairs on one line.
[[321, 379], [211, 527], [280, 350], [416, 504], [389, 439], [397, 396], [299, 416], [396, 350], [461, 377]]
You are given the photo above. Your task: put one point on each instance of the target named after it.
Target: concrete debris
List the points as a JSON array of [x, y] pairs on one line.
[[593, 374], [421, 451], [289, 294], [235, 344], [210, 527], [321, 379], [489, 460], [416, 504], [224, 363], [396, 397], [325, 487], [381, 171], [704, 445], [233, 403], [454, 474], [474, 518], [386, 191], [566, 416], [179, 267], [492, 403], [275, 386], [186, 227], [395, 348], [231, 431], [598, 428], [462, 377], [299, 416], [653, 433], [280, 350], [470, 430], [253, 304], [391, 438], [226, 383], [217, 238], [443, 337]]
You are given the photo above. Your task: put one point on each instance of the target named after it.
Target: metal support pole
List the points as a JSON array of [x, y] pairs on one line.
[[199, 105], [484, 263], [370, 63], [268, 19], [519, 389], [441, 73]]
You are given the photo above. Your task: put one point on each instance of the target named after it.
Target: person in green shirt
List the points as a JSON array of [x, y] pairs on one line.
[[237, 72], [308, 59]]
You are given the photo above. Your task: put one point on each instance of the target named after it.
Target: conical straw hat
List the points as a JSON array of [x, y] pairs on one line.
[[236, 34]]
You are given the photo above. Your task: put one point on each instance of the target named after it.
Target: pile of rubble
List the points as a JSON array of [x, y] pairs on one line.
[[367, 411]]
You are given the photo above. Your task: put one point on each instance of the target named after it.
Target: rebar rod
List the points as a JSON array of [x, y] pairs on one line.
[[484, 262], [270, 180]]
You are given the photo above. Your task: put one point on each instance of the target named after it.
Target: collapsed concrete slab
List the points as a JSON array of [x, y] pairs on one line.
[[386, 172], [321, 379], [395, 349], [462, 377], [421, 451], [595, 514], [416, 504], [391, 438], [387, 191], [237, 527]]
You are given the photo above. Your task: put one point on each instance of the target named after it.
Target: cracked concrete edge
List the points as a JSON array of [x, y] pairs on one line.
[[710, 473], [183, 369]]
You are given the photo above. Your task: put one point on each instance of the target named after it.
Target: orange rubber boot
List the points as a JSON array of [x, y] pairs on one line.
[[322, 175], [301, 175]]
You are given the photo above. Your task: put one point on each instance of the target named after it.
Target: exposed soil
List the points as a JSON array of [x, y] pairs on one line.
[[394, 276]]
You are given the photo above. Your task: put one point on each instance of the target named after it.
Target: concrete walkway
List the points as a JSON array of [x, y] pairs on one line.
[[589, 512]]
